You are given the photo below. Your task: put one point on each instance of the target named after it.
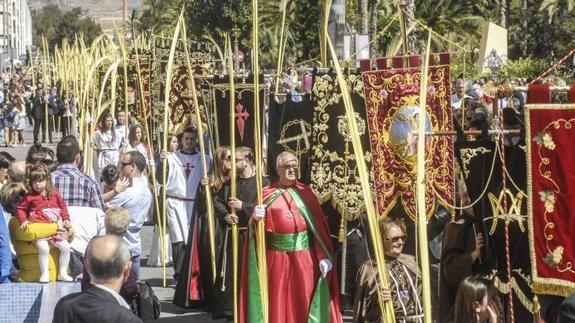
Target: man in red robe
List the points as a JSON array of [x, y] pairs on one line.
[[301, 284]]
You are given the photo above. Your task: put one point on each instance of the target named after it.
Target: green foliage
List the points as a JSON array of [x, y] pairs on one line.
[[528, 68], [470, 72], [56, 26]]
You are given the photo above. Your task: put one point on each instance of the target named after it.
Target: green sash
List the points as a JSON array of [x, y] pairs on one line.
[[319, 311], [289, 242]]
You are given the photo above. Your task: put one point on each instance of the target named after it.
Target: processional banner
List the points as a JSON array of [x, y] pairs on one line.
[[244, 121], [495, 206], [392, 104], [551, 192], [181, 98], [289, 129], [334, 174]]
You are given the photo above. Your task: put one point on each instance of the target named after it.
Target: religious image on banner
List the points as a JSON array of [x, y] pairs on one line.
[[480, 165], [290, 129], [244, 111], [551, 194], [334, 175], [392, 104], [182, 113]]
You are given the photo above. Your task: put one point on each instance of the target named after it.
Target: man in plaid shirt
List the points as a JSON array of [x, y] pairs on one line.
[[75, 187]]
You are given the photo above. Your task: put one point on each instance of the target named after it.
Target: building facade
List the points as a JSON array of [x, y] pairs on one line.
[[15, 31]]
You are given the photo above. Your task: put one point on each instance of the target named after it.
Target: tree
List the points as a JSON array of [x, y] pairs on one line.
[[55, 26]]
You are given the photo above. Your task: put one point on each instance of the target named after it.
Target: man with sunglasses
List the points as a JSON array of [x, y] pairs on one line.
[[299, 252], [137, 199]]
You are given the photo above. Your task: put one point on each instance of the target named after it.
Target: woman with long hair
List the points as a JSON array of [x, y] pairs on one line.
[[136, 142], [218, 176], [106, 144], [472, 302]]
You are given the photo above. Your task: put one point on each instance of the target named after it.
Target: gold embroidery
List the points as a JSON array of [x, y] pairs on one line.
[[333, 175], [532, 306], [303, 136], [467, 154], [543, 285], [514, 213]]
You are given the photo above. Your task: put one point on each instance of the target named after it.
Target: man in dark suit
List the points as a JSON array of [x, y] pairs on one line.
[[109, 263], [39, 115]]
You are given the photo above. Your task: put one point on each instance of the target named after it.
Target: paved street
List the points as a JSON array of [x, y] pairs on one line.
[[170, 313]]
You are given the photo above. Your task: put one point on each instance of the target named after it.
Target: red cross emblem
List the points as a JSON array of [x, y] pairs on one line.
[[241, 116], [188, 169]]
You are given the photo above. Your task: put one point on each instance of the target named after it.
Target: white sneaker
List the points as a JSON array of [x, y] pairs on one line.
[[65, 277], [44, 278]]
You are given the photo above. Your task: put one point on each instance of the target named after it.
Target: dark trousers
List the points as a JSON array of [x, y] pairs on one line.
[[178, 251], [39, 126], [66, 126]]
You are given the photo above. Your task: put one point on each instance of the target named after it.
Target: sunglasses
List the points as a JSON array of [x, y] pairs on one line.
[[290, 167], [228, 158], [396, 239], [126, 164]]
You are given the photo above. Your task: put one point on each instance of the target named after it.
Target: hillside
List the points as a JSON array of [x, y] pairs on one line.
[[103, 11]]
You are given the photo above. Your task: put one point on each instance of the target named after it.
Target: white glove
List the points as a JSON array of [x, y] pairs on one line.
[[325, 266], [259, 212]]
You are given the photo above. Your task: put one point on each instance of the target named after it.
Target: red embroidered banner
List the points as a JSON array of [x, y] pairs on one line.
[[392, 103], [550, 131]]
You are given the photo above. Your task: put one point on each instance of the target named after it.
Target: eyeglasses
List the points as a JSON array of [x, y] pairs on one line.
[[124, 164], [295, 167], [396, 239], [228, 158]]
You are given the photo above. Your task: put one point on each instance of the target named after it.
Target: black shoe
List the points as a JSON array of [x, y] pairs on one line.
[[51, 142]]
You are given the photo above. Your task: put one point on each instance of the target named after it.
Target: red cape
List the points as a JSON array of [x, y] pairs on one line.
[[312, 203]]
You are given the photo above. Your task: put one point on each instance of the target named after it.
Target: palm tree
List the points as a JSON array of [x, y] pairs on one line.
[[553, 6]]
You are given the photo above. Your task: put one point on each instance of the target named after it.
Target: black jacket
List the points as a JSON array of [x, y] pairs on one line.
[[92, 305], [38, 112]]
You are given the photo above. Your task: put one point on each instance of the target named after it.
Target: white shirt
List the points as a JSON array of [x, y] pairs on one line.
[[87, 222], [117, 296], [137, 199]]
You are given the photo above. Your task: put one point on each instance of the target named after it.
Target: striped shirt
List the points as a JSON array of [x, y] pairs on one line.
[[77, 188]]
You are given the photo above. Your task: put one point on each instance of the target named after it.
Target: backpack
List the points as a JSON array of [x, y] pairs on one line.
[[146, 304]]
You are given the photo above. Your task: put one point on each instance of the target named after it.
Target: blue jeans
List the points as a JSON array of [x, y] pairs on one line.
[[136, 265]]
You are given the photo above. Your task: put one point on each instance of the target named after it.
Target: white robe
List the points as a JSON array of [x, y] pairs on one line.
[[179, 211], [109, 151]]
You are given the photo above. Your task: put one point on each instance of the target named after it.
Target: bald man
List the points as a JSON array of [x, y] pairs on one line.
[[109, 263]]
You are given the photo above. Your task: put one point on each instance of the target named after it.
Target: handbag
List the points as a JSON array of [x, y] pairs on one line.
[[146, 304]]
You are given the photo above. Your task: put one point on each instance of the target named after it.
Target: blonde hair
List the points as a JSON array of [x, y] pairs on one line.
[[219, 176], [116, 221], [10, 196]]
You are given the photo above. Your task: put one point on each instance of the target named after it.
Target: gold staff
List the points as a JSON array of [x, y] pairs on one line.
[[147, 130], [168, 87], [233, 174], [385, 306], [208, 191], [260, 225], [421, 214]]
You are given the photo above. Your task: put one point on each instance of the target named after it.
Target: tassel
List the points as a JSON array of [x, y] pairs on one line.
[[341, 235]]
